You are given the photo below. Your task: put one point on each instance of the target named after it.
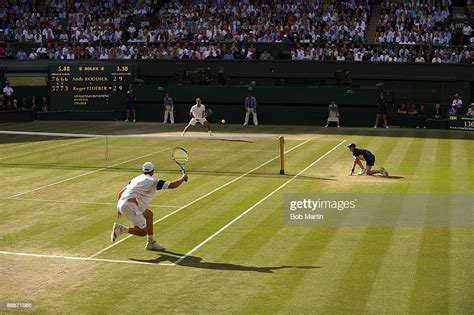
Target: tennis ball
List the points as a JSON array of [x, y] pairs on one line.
[[223, 121]]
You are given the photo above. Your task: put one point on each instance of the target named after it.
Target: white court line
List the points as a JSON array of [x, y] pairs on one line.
[[83, 174], [44, 149], [254, 206], [200, 198], [84, 259], [80, 202]]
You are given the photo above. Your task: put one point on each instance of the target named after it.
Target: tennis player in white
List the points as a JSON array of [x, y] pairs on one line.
[[198, 115], [133, 204]]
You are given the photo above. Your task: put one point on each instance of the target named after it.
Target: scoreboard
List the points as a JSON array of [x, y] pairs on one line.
[[89, 86], [461, 122]]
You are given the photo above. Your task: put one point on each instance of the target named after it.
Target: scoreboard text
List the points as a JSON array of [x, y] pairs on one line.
[[461, 122], [89, 86]]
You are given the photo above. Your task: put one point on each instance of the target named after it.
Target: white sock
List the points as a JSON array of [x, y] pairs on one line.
[[151, 238]]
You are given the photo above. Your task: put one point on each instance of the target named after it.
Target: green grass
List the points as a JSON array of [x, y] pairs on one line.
[[257, 264]]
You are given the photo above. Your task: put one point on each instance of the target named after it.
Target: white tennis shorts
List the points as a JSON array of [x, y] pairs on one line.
[[132, 213], [193, 121]]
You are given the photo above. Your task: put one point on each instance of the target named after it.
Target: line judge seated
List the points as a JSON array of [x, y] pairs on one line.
[[333, 115]]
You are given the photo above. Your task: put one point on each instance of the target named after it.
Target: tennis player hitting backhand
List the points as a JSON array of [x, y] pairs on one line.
[[198, 115], [133, 204], [368, 157]]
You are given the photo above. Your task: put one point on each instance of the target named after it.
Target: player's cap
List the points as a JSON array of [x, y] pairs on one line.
[[147, 167], [352, 145]]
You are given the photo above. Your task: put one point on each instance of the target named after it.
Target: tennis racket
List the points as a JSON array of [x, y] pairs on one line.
[[207, 113], [180, 156]]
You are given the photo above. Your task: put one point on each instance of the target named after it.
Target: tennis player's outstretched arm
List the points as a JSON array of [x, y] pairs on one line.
[[357, 161], [178, 182]]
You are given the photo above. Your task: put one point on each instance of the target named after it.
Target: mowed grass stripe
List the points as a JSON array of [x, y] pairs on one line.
[[303, 248], [431, 287], [461, 287], [395, 279], [354, 288]]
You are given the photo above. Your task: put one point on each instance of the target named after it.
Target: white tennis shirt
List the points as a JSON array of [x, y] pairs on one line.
[[143, 188], [198, 112]]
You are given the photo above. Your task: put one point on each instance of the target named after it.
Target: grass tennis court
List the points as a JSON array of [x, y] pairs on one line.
[[225, 226]]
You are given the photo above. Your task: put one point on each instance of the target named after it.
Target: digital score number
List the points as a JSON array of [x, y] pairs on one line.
[[461, 122], [89, 86]]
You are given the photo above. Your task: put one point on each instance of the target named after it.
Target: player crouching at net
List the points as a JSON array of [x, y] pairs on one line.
[[198, 115], [133, 204], [368, 157]]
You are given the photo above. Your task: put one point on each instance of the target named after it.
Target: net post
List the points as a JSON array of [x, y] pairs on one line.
[[282, 154], [106, 151]]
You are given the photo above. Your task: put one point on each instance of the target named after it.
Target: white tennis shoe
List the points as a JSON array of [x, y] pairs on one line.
[[383, 171], [117, 229], [154, 246]]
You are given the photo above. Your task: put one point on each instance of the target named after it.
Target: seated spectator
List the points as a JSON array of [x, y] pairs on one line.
[[422, 111], [453, 110], [14, 105], [412, 110], [470, 112], [438, 112], [23, 105], [265, 56], [34, 104], [466, 32], [8, 92], [436, 58], [420, 58], [21, 54], [402, 109], [457, 103]]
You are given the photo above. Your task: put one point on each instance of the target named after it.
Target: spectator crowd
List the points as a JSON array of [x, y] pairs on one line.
[[415, 22], [408, 31]]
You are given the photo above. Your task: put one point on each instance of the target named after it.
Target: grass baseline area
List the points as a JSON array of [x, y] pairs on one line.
[[224, 229]]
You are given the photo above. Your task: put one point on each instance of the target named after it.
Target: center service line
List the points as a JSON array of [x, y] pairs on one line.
[[254, 206]]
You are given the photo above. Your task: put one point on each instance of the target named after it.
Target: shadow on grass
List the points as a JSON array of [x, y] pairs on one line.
[[393, 177], [197, 262], [158, 171]]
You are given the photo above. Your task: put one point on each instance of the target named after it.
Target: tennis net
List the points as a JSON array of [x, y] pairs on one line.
[[229, 154]]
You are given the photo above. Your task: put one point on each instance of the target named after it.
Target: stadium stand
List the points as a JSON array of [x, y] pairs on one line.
[[356, 30]]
